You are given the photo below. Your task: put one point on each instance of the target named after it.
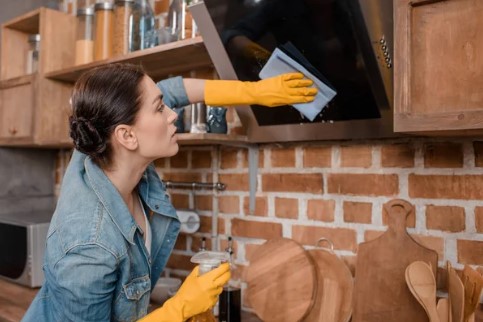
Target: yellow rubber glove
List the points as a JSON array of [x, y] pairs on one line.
[[280, 90], [196, 295]]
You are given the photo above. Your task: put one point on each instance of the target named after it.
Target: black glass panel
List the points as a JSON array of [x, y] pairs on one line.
[[13, 250], [327, 32]]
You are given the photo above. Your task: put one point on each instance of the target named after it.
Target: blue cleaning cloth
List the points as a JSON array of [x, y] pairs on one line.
[[281, 63]]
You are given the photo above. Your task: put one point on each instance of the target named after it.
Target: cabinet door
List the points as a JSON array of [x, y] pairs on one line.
[[16, 111], [438, 67]]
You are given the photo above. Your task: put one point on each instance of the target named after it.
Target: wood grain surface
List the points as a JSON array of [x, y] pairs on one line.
[[281, 281], [380, 290]]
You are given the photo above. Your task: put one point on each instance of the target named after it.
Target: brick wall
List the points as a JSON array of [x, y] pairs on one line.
[[335, 190]]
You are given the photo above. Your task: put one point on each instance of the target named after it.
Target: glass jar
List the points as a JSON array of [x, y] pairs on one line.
[[143, 33], [84, 44], [32, 58], [82, 4], [104, 30], [123, 15]]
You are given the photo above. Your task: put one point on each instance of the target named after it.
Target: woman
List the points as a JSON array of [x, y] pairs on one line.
[[114, 227]]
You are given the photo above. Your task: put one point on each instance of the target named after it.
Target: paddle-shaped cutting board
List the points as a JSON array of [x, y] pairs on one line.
[[281, 281], [380, 290]]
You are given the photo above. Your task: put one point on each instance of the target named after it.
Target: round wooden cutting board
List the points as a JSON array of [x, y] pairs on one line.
[[333, 301], [281, 281]]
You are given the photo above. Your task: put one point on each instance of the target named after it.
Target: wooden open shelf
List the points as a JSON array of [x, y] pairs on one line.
[[159, 61], [210, 139]]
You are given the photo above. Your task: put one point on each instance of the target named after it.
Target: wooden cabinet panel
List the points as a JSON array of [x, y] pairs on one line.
[[17, 110], [438, 74]]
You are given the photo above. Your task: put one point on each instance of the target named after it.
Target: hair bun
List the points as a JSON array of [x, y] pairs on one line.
[[87, 138]]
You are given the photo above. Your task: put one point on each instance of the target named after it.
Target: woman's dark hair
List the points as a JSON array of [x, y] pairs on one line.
[[103, 98]]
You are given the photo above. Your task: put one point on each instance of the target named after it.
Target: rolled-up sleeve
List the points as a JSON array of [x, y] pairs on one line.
[[174, 93], [86, 280]]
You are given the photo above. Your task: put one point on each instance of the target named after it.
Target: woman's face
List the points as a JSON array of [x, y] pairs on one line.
[[154, 126]]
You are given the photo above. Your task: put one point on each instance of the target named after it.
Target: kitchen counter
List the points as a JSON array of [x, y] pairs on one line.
[[15, 299]]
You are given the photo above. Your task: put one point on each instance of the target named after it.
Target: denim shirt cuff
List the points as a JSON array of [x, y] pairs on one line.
[[174, 93]]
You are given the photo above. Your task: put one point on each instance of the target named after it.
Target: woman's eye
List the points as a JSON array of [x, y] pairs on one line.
[[161, 107]]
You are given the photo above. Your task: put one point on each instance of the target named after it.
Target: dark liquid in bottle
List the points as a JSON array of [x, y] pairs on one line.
[[230, 305]]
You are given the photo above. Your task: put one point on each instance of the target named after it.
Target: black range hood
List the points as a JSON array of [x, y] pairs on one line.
[[348, 41]]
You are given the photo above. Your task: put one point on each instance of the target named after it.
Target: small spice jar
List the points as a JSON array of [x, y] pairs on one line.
[[123, 17], [103, 30], [32, 58], [84, 44]]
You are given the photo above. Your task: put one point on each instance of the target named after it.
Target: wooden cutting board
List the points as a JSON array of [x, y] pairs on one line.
[[380, 290], [333, 299], [281, 281]]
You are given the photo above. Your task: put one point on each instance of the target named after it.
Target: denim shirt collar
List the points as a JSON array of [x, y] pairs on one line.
[[151, 189]]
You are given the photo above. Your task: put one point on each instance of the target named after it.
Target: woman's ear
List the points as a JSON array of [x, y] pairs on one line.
[[125, 136]]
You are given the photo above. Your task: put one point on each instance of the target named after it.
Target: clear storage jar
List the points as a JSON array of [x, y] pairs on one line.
[[103, 30], [32, 56], [123, 17], [84, 44]]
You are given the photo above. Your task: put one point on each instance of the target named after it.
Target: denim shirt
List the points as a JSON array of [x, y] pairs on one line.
[[96, 265]]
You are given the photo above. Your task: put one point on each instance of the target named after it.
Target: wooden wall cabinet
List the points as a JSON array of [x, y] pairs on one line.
[[33, 108], [438, 61]]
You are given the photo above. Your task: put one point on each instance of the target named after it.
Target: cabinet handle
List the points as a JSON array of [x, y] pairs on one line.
[[13, 131]]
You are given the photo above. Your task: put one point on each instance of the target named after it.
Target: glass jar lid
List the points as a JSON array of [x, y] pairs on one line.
[[103, 6], [34, 38], [85, 11]]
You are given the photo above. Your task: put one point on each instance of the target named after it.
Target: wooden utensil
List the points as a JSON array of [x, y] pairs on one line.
[[443, 309], [472, 283], [333, 299], [421, 282], [281, 281], [456, 294], [380, 290]]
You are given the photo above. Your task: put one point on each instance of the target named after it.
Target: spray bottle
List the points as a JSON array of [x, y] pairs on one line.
[[230, 298]]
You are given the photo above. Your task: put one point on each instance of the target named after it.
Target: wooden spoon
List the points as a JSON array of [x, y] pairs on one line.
[[421, 283], [443, 310], [472, 282], [456, 294]]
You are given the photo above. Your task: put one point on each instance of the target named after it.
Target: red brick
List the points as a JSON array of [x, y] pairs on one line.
[[229, 158], [261, 206], [206, 223], [181, 242], [293, 182], [356, 156], [364, 184], [443, 155], [255, 229], [446, 218], [470, 252], [196, 242], [399, 155], [179, 201], [204, 202], [201, 159], [235, 182], [317, 156], [431, 242], [181, 176], [229, 204], [180, 160], [180, 261], [358, 212], [322, 210], [342, 238], [286, 208], [446, 186], [479, 219], [478, 148], [283, 157]]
